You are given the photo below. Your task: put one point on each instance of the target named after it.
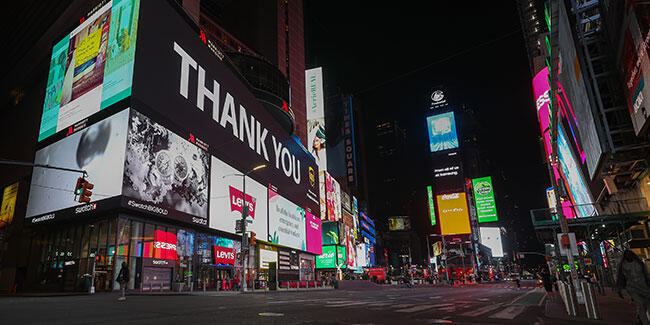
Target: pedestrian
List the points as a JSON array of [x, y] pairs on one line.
[[633, 277], [547, 281], [123, 280]]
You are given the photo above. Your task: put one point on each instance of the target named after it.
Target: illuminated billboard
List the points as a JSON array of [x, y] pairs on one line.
[[578, 190], [486, 208], [9, 195], [454, 217], [313, 233], [316, 116], [397, 223], [92, 67], [286, 222], [432, 208], [442, 132], [491, 237]]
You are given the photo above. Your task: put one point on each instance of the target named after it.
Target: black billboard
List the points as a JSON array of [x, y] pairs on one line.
[[179, 82]]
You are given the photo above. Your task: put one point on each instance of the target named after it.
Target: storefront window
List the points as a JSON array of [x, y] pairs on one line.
[[124, 232], [148, 241]]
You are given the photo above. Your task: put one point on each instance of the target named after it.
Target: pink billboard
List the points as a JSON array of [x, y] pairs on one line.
[[314, 235]]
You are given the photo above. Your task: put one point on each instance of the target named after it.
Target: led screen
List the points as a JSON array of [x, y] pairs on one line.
[[98, 149], [313, 233], [397, 223], [316, 116], [266, 257], [327, 259], [330, 233], [164, 173], [8, 207], [92, 67], [432, 208], [486, 208], [286, 222], [577, 188], [442, 132], [491, 237], [454, 218]]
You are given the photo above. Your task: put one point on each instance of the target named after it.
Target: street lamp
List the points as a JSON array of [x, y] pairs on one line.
[[244, 215]]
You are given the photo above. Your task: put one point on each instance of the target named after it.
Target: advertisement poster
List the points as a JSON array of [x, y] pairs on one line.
[[330, 234], [316, 141], [350, 250], [326, 260], [362, 255], [432, 208], [322, 197], [8, 207], [329, 188], [398, 223], [165, 172], [267, 256], [491, 237], [99, 149], [313, 233], [286, 222], [454, 218], [227, 200], [442, 132], [486, 209], [578, 191], [92, 67], [338, 210]]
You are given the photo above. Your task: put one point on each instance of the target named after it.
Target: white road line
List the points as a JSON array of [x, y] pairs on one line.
[[541, 300], [522, 296], [415, 309], [509, 313], [349, 304], [481, 311]]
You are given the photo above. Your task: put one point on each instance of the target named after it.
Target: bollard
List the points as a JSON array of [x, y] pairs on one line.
[[591, 300], [570, 299]]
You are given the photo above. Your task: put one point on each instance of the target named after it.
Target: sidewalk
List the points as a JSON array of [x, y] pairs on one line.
[[613, 310]]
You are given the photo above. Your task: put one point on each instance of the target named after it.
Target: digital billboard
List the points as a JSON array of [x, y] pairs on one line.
[[314, 233], [454, 217], [286, 222], [432, 208], [578, 191], [227, 201], [327, 259], [350, 250], [92, 67], [9, 195], [398, 223], [316, 141], [322, 195], [267, 256], [99, 149], [442, 132], [491, 237], [330, 233], [165, 174], [486, 208]]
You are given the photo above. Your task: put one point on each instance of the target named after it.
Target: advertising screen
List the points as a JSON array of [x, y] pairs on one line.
[[330, 233], [164, 245], [286, 222], [313, 233], [177, 76], [92, 67], [541, 90], [227, 200], [432, 208], [397, 223], [338, 201], [491, 237], [99, 149], [327, 259], [486, 208], [578, 191], [322, 197], [454, 218], [8, 207], [350, 250], [267, 256], [164, 173], [316, 116], [362, 255], [442, 132]]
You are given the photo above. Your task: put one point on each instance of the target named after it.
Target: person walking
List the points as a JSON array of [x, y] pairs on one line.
[[123, 280], [547, 281], [633, 277]]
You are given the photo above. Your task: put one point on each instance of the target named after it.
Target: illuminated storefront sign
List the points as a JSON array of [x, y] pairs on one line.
[[224, 255], [454, 217], [484, 197]]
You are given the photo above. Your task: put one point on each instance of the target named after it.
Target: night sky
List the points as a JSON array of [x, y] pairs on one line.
[[390, 57]]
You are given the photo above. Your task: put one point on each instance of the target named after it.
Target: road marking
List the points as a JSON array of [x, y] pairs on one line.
[[348, 304], [271, 314], [435, 297], [541, 300], [421, 308], [509, 313], [481, 311], [522, 296]]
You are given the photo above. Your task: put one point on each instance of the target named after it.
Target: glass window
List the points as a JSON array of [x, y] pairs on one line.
[[111, 241], [76, 247], [136, 239], [85, 235], [147, 246], [123, 236], [101, 243], [94, 229]]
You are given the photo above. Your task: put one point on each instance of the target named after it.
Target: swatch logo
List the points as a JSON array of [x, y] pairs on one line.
[[237, 202]]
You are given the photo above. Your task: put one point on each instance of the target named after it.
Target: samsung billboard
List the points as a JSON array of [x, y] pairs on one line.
[[442, 132]]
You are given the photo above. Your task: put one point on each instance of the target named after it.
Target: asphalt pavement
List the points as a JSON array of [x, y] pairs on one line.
[[499, 303]]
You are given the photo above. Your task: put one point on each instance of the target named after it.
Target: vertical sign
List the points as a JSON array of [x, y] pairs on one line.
[[316, 116], [432, 208], [486, 209], [454, 217], [8, 204], [348, 138]]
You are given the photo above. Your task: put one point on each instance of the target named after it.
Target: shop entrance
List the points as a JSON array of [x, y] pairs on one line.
[[156, 278]]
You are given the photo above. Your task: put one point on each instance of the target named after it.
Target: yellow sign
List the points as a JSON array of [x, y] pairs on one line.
[[8, 204], [88, 47], [437, 248], [454, 218]]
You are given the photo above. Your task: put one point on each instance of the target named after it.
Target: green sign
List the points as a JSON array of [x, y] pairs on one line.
[[328, 260], [432, 208], [330, 231], [486, 209]]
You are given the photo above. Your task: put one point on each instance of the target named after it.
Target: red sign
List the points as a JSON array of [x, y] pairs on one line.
[[237, 200], [379, 272], [224, 255], [164, 245]]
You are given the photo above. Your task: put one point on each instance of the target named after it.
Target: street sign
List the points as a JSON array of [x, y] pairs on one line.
[[239, 226]]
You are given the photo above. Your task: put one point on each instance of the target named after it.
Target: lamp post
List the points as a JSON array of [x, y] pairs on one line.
[[244, 215]]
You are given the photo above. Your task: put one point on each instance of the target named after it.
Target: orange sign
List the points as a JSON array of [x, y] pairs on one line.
[[454, 218]]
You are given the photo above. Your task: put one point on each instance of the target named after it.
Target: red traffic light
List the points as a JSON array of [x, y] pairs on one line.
[[85, 192], [253, 241]]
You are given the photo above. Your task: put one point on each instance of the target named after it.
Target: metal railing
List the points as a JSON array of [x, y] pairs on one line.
[[617, 208]]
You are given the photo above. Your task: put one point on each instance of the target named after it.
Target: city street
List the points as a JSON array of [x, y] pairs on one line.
[[499, 303]]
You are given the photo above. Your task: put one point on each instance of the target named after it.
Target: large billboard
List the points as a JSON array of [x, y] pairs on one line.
[[8, 207], [316, 116], [286, 222], [92, 67], [442, 132], [333, 197], [99, 149], [486, 208], [454, 217], [398, 223], [164, 173], [578, 191], [313, 232], [330, 233], [181, 83], [327, 259], [227, 200], [491, 237]]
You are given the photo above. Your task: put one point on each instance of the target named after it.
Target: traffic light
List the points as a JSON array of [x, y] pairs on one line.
[[77, 189], [253, 241], [85, 192]]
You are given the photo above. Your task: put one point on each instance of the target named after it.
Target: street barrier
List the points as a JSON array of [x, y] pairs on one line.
[[568, 296], [591, 300]]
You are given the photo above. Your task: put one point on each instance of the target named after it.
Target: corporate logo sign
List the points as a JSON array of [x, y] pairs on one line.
[[237, 202], [454, 217], [224, 255], [438, 99], [176, 76]]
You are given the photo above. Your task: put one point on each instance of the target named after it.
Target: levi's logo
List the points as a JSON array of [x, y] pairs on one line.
[[237, 201]]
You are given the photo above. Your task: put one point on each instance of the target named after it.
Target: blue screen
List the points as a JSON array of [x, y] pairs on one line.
[[442, 132]]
